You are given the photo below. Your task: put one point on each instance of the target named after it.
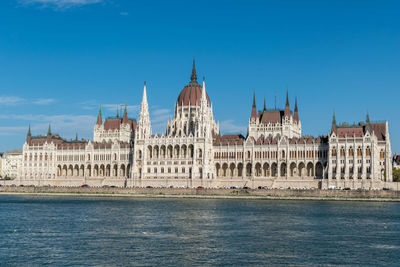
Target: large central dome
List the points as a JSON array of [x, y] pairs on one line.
[[191, 93]]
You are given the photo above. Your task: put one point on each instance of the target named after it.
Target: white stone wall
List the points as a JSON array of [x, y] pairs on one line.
[[124, 134], [288, 127], [11, 164], [187, 157], [375, 165]]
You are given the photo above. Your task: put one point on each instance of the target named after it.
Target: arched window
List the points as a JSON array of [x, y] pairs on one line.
[[368, 151], [342, 151], [359, 152]]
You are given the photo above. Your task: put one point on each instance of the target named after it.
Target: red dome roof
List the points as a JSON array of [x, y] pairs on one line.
[[191, 92]]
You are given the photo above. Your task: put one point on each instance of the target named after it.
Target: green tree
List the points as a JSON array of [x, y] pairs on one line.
[[396, 175]]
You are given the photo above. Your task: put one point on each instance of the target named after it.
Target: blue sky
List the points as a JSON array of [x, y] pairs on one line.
[[59, 59]]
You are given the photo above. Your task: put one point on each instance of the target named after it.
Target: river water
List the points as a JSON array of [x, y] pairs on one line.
[[80, 231]]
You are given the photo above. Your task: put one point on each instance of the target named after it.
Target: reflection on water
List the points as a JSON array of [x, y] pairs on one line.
[[115, 231]]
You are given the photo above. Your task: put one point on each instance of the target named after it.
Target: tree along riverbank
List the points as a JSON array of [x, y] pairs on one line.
[[373, 195]]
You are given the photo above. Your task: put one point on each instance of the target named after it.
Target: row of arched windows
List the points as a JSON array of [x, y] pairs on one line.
[[170, 152], [273, 170], [350, 152], [101, 170], [36, 156], [271, 154]]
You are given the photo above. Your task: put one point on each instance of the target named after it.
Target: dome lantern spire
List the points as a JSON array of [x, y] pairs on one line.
[[193, 77]]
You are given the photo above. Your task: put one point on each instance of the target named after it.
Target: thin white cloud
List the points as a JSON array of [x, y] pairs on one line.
[[65, 124], [124, 13], [229, 127], [114, 107], [16, 100], [11, 100], [12, 130], [161, 112], [43, 101], [59, 4], [94, 105], [159, 118]]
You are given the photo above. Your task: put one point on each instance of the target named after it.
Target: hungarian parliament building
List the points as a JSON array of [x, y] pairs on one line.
[[192, 152]]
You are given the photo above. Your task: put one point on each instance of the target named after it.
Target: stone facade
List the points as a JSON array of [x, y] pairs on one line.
[[11, 162], [193, 153]]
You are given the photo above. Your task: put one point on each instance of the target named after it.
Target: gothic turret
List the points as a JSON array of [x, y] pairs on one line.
[[99, 118], [367, 119], [296, 111], [49, 131], [334, 125], [204, 119], [254, 107], [265, 105], [287, 107], [125, 116], [144, 127], [28, 135]]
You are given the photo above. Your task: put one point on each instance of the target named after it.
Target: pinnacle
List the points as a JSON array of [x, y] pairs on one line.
[[193, 77]]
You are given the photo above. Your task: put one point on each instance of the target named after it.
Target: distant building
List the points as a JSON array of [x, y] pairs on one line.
[[1, 156], [396, 161], [11, 162], [193, 153]]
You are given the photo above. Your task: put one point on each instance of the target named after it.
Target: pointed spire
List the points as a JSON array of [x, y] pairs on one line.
[[117, 116], [144, 97], [76, 136], [334, 126], [203, 92], [193, 77], [367, 120], [287, 107], [254, 107], [28, 135], [296, 111], [144, 120], [287, 97], [265, 105], [334, 119], [99, 118], [49, 131], [125, 117]]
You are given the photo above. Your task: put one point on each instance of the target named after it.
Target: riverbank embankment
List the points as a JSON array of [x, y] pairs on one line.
[[354, 195]]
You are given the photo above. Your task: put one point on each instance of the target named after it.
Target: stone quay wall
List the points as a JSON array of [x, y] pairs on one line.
[[212, 193]]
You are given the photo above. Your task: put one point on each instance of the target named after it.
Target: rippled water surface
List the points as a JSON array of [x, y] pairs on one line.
[[120, 231]]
